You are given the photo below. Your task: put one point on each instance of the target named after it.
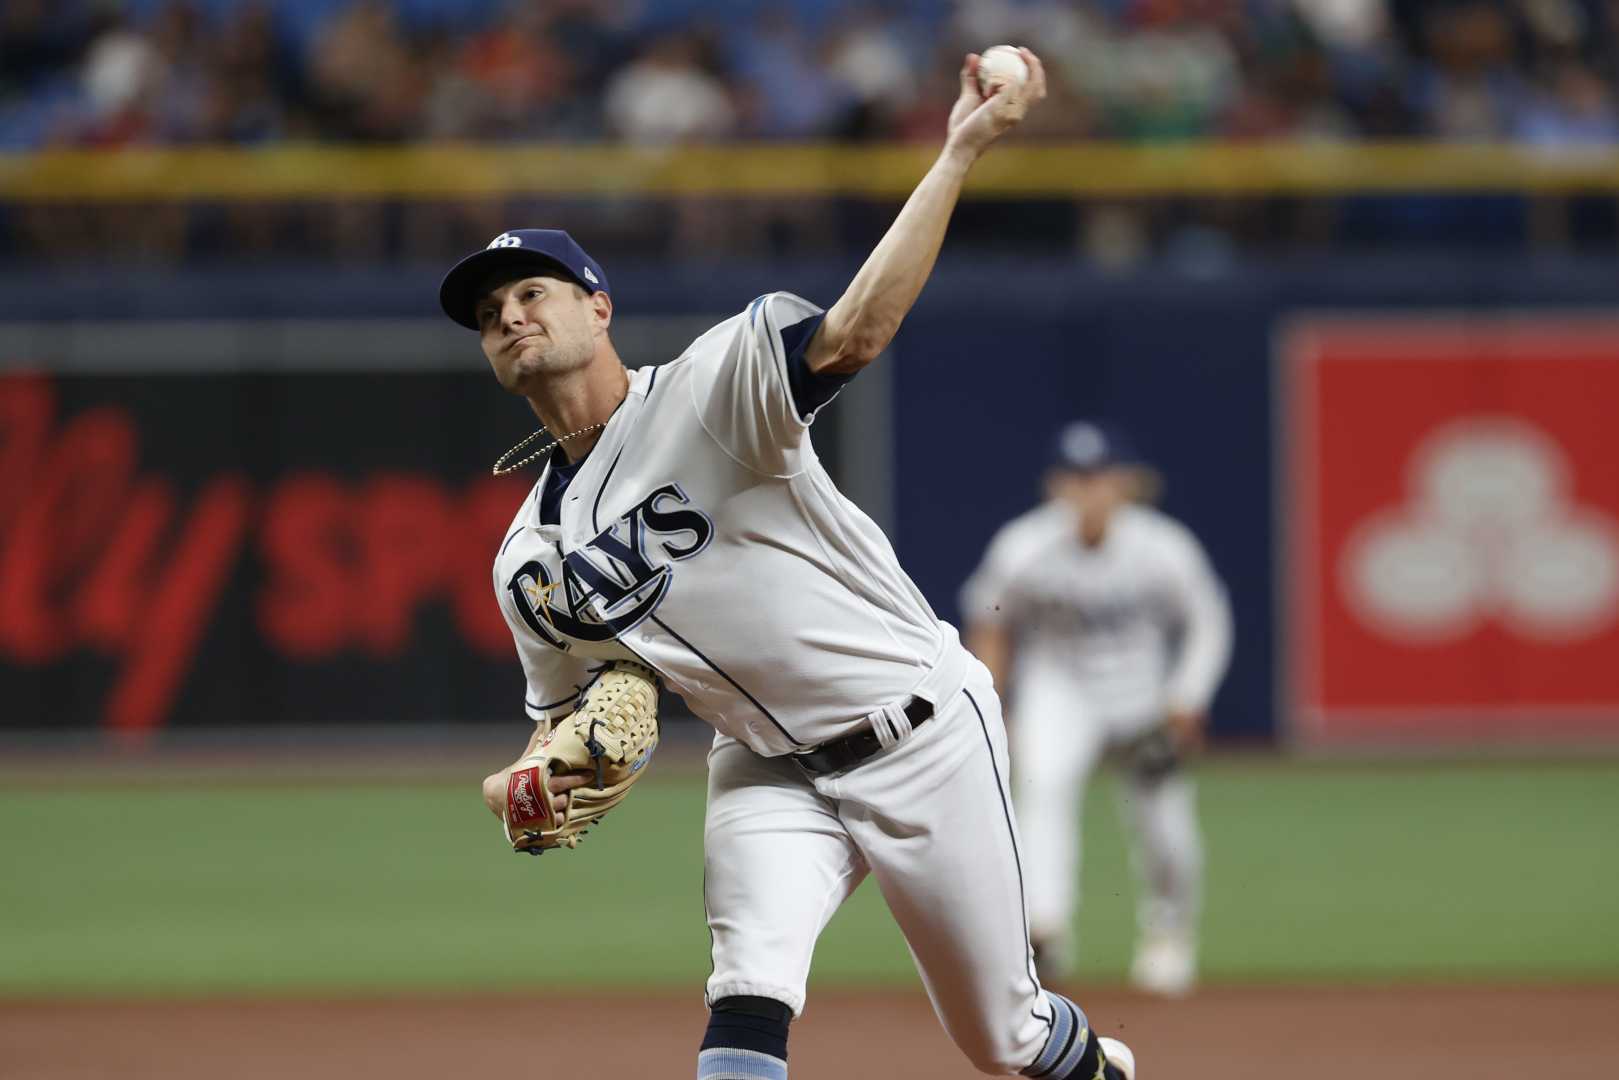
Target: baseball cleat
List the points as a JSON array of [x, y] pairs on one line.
[[1165, 964], [1120, 1062]]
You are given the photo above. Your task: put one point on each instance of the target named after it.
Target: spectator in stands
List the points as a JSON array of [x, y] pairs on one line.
[[1161, 69], [867, 54], [1541, 70], [672, 92], [1288, 89], [157, 72], [1570, 107], [185, 87], [1568, 104], [249, 99], [1467, 88], [366, 82], [122, 76], [513, 79], [784, 70]]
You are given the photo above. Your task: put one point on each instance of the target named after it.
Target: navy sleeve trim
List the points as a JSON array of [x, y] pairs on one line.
[[811, 390]]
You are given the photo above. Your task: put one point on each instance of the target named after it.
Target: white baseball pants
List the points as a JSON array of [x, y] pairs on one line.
[[1057, 743], [930, 819]]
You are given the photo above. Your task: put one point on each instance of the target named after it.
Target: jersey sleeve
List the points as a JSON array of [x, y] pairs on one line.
[[754, 393], [1198, 602], [990, 596], [554, 679]]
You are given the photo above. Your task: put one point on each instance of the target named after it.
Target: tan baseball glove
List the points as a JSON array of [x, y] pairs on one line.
[[609, 738]]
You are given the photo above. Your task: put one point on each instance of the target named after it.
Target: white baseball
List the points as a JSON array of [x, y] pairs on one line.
[[1001, 65]]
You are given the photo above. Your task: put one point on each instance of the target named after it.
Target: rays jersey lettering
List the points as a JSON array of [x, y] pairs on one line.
[[1054, 609], [612, 584]]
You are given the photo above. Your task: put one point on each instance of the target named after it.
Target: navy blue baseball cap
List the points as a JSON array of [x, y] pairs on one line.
[[1088, 445], [542, 250]]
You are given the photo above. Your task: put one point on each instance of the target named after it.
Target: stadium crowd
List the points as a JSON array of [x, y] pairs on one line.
[[164, 72]]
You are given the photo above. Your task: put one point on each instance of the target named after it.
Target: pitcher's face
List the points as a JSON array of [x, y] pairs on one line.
[[536, 327]]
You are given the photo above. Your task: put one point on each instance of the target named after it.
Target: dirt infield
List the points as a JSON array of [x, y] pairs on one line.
[[1223, 1034]]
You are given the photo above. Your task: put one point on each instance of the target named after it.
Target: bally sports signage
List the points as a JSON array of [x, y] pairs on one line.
[[239, 549], [1451, 519]]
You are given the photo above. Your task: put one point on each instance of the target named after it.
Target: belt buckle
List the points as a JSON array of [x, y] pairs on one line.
[[801, 759]]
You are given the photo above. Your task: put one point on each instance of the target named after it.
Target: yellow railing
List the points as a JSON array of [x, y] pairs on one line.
[[1019, 170]]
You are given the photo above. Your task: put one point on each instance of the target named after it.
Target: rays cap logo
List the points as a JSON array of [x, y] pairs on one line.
[[1087, 445], [516, 252]]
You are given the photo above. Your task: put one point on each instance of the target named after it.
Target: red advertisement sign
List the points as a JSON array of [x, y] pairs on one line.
[[1452, 517], [196, 550]]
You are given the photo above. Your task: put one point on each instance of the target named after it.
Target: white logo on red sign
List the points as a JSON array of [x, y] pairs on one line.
[[1489, 530]]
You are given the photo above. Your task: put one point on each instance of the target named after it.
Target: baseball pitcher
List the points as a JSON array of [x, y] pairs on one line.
[[683, 530], [1103, 618]]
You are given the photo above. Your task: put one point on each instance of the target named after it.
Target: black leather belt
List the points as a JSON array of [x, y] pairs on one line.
[[851, 750]]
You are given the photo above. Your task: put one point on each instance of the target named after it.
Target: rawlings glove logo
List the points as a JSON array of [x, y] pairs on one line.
[[521, 798]]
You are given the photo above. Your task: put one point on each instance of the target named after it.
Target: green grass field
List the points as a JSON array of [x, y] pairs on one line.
[[1462, 872]]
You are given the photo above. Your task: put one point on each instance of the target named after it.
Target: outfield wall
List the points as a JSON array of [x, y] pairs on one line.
[[184, 455]]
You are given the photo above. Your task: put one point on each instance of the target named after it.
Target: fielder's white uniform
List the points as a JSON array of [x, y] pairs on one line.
[[1107, 641], [702, 535]]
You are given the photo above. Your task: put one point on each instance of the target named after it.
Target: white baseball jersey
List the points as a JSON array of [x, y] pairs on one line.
[[703, 536], [1139, 624]]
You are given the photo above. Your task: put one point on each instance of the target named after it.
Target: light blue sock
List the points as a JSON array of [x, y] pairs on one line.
[[1070, 1034], [728, 1063]]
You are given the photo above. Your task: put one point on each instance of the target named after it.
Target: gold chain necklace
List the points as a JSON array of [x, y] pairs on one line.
[[500, 468]]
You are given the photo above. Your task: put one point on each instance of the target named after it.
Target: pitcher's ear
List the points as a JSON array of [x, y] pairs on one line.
[[602, 305]]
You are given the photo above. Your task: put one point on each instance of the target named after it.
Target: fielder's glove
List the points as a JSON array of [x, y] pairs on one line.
[[1155, 755], [611, 737]]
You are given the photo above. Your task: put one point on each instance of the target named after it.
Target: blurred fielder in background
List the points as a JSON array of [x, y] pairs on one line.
[[1105, 627]]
